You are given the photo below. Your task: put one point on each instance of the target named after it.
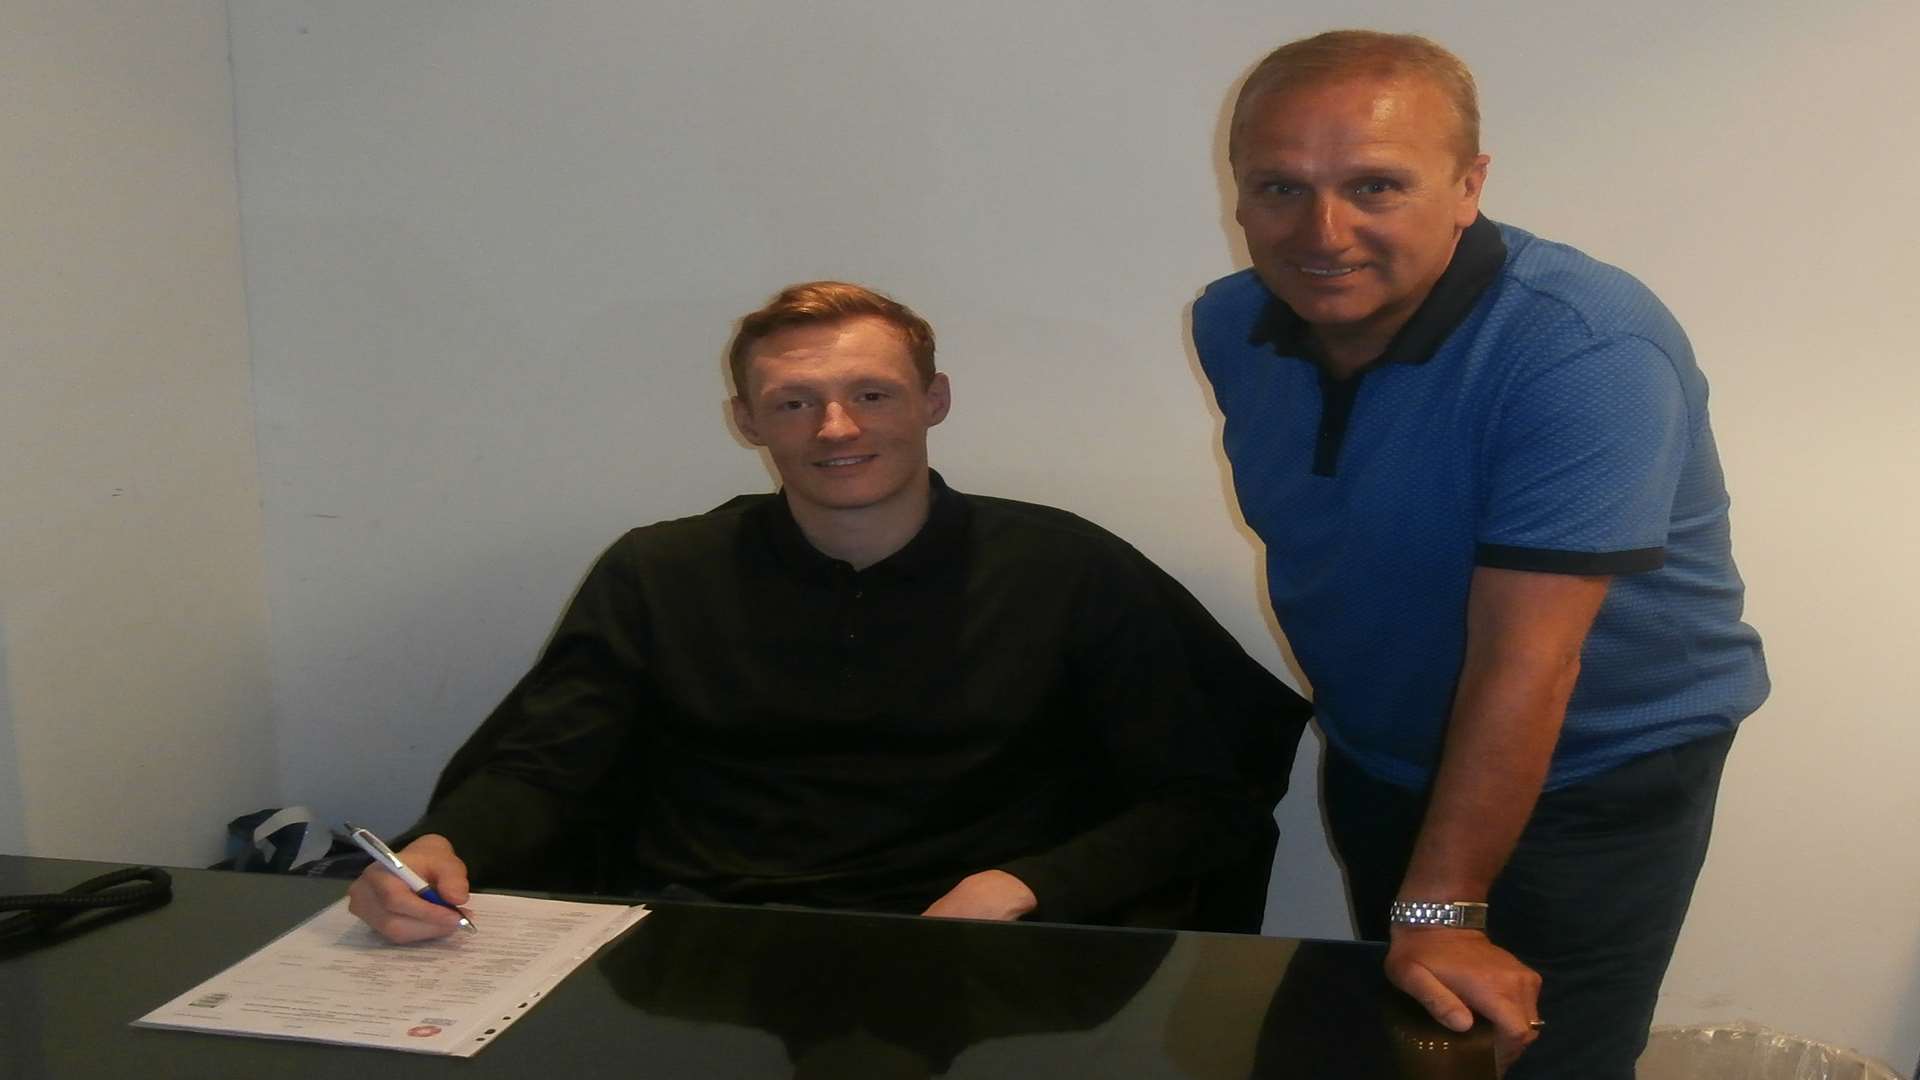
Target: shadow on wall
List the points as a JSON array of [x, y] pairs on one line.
[[13, 804], [1236, 243], [1912, 1005], [1223, 170]]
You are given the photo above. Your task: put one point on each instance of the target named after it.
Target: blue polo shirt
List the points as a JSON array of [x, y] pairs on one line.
[[1540, 411]]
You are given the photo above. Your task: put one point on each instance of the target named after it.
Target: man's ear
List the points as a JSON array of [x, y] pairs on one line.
[[743, 419], [1474, 181], [939, 397]]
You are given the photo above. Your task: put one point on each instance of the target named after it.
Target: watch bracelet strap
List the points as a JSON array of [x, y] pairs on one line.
[[1463, 914]]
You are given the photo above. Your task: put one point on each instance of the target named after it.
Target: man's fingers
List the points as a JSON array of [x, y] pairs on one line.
[[1458, 973], [1508, 1002], [447, 875], [384, 902], [405, 931], [432, 857], [1441, 1003], [1510, 1037], [1505, 1053], [393, 894], [1508, 1044], [452, 884]]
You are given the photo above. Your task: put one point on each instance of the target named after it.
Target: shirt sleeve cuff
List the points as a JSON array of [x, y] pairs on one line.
[[1054, 900], [1550, 561], [495, 823]]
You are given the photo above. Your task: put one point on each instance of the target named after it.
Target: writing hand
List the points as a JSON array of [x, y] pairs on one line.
[[383, 901]]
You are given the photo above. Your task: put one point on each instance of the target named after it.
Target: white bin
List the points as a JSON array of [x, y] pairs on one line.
[[1748, 1052]]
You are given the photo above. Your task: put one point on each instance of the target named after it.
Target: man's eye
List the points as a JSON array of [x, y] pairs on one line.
[[790, 405], [1278, 188], [1375, 188], [868, 397]]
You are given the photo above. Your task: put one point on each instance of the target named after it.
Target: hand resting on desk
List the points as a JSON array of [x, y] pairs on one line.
[[989, 894], [384, 902]]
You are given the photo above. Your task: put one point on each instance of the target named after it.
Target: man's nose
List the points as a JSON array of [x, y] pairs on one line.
[[837, 425], [1329, 224]]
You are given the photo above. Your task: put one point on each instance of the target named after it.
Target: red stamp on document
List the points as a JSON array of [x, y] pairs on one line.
[[423, 1031]]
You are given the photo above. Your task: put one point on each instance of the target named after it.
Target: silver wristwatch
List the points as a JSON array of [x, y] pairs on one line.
[[1463, 914]]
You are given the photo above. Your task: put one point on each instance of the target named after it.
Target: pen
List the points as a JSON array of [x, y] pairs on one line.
[[384, 855]]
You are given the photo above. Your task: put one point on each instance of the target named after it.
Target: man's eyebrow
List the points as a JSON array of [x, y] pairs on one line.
[[1382, 169], [887, 381], [784, 388]]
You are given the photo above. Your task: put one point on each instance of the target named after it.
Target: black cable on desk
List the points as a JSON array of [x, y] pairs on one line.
[[113, 895]]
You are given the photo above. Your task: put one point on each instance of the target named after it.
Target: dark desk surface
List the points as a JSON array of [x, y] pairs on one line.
[[722, 991]]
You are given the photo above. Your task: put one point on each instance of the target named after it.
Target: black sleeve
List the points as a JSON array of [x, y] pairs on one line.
[[1188, 812], [532, 771]]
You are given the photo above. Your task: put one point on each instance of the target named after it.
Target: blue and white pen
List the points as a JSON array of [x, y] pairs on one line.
[[384, 855]]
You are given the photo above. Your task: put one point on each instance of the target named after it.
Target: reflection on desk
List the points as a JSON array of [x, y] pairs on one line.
[[717, 990], [915, 993]]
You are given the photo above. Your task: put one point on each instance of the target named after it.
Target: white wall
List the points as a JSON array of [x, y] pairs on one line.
[[492, 253], [133, 674]]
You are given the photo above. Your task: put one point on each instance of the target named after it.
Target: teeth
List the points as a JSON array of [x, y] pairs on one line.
[[1336, 271], [830, 462]]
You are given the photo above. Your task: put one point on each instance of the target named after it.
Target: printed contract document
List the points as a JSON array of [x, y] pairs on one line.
[[331, 979]]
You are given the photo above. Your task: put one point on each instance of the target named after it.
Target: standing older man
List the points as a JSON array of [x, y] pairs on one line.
[[1497, 541]]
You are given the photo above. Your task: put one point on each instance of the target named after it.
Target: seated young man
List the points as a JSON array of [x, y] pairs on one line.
[[866, 691]]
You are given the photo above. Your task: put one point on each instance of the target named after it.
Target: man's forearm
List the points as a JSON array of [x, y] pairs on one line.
[[1142, 848], [497, 824], [1524, 636], [1500, 742]]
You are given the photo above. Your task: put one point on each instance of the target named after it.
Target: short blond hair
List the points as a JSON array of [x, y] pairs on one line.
[[1344, 54], [817, 302]]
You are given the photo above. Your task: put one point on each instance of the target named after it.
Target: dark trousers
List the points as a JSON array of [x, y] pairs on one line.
[[1592, 898]]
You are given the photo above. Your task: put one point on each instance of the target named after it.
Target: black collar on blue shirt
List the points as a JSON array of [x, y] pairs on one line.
[[937, 545], [1476, 262]]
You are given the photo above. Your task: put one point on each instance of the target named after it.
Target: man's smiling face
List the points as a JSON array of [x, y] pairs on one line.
[[844, 413], [1352, 194]]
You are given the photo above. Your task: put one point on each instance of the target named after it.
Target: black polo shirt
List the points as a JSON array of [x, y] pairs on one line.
[[1005, 691]]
